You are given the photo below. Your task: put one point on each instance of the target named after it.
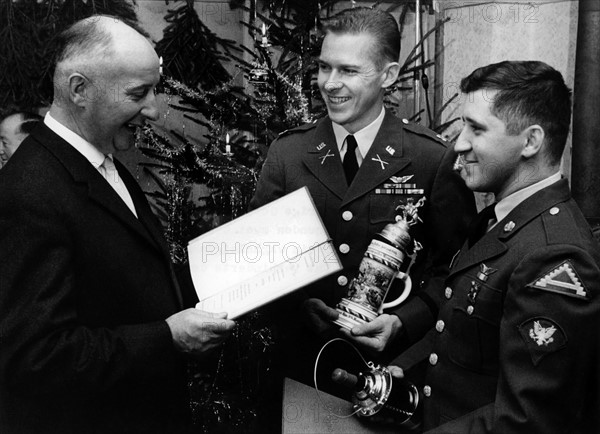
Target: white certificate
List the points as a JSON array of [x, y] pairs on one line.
[[261, 256]]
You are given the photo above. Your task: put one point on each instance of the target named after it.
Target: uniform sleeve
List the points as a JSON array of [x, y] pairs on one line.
[[272, 181], [44, 346], [548, 347], [451, 209]]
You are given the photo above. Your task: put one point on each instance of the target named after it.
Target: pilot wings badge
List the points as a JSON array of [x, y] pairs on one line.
[[542, 335], [400, 179]]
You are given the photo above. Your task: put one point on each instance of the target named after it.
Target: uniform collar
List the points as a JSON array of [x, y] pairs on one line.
[[364, 138], [85, 148], [510, 202]]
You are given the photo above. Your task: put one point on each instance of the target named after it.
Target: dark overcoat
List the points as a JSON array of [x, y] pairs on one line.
[[85, 289]]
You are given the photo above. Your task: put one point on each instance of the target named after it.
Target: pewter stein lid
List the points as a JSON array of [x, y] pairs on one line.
[[397, 234]]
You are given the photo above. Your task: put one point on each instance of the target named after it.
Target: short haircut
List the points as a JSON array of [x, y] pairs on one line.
[[379, 24], [29, 121], [528, 93]]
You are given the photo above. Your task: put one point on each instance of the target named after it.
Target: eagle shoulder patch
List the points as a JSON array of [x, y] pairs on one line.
[[562, 279], [542, 336]]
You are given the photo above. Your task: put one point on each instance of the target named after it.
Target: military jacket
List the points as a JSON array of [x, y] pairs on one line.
[[405, 162], [515, 347]]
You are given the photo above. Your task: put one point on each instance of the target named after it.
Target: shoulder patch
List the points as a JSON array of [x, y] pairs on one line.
[[298, 129], [542, 336], [425, 132], [562, 279]]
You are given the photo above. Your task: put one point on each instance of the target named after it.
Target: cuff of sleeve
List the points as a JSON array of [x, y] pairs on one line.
[[152, 350]]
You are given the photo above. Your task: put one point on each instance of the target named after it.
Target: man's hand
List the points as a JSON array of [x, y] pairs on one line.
[[377, 334], [396, 371], [319, 316], [198, 332]]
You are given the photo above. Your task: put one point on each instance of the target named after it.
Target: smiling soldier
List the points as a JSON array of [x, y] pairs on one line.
[[515, 347], [360, 163]]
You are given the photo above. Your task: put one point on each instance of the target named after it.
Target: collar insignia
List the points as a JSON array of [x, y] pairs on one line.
[[324, 157], [390, 150], [380, 161], [400, 179], [485, 272], [321, 146], [508, 227]]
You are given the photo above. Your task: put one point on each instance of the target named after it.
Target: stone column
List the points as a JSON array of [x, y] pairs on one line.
[[585, 166]]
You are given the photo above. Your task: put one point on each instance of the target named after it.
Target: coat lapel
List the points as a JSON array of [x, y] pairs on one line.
[[98, 189], [147, 218], [493, 243], [322, 158], [486, 248], [384, 159], [145, 215]]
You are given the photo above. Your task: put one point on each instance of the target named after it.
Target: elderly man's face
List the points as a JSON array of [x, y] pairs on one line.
[[10, 136], [124, 101]]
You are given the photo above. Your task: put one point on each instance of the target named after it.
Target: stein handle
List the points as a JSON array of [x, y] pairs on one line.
[[407, 287]]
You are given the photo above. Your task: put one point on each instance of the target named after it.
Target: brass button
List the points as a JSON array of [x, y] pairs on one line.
[[347, 216], [470, 310], [448, 293], [344, 248], [427, 391], [433, 359], [342, 280], [439, 326]]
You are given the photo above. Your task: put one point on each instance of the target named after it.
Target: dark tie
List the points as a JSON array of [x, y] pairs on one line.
[[350, 161], [480, 223]]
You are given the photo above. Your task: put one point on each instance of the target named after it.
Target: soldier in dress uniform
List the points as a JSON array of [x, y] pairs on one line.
[[515, 346], [357, 190]]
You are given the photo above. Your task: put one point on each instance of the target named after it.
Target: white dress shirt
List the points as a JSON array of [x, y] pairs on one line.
[[364, 138]]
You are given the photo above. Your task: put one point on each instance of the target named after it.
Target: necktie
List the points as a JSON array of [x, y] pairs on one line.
[[481, 223], [108, 170], [350, 162]]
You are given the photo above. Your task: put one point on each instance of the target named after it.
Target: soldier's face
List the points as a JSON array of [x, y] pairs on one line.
[[490, 159], [350, 83]]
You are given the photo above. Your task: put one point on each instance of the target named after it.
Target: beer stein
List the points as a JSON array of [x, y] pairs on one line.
[[380, 266]]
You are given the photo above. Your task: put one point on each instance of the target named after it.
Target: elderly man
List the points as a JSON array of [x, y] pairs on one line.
[[515, 347], [94, 334], [360, 163], [14, 128]]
